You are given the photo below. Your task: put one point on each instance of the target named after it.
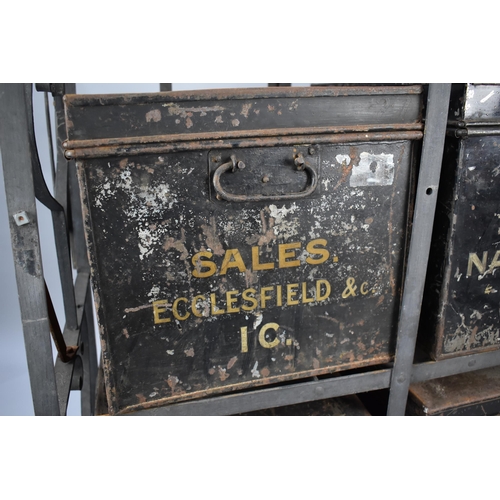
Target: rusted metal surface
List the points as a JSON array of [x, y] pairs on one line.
[[474, 393], [463, 281], [66, 353], [238, 134], [198, 295]]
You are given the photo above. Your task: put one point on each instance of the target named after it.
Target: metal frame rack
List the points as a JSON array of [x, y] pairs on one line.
[[76, 364]]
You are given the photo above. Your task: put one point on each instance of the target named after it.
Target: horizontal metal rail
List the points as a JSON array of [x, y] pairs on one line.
[[303, 392]]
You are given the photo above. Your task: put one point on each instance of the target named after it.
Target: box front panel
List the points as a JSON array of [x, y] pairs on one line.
[[199, 295]]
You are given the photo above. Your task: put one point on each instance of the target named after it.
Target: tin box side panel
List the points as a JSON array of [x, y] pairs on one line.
[[436, 293]]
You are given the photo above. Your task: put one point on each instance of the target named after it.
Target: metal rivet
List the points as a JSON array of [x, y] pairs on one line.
[[319, 391], [240, 165], [21, 218], [312, 150], [401, 379], [299, 162]]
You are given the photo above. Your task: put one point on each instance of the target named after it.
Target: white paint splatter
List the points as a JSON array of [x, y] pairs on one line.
[[343, 159], [284, 225], [257, 321], [255, 372], [373, 170], [155, 290]]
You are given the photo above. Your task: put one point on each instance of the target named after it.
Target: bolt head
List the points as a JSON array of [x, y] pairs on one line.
[[21, 218], [319, 391]]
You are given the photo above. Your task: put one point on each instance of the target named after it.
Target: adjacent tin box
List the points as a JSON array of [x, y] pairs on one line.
[[245, 237], [466, 394], [461, 312]]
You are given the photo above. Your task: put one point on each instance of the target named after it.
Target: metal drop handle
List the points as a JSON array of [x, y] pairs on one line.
[[233, 165]]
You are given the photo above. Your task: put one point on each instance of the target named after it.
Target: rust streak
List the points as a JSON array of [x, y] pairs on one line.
[[136, 309], [231, 362], [222, 374], [212, 238], [178, 245], [123, 149], [346, 172]]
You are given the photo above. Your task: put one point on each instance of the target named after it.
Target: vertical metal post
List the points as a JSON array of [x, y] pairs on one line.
[[425, 206], [87, 350], [70, 189], [21, 206]]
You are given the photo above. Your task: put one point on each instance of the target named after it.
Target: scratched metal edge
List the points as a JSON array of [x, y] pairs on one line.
[[107, 151], [257, 133], [253, 384], [96, 290], [246, 93]]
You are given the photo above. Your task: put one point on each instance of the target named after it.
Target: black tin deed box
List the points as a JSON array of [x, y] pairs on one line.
[[243, 237], [463, 282]]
